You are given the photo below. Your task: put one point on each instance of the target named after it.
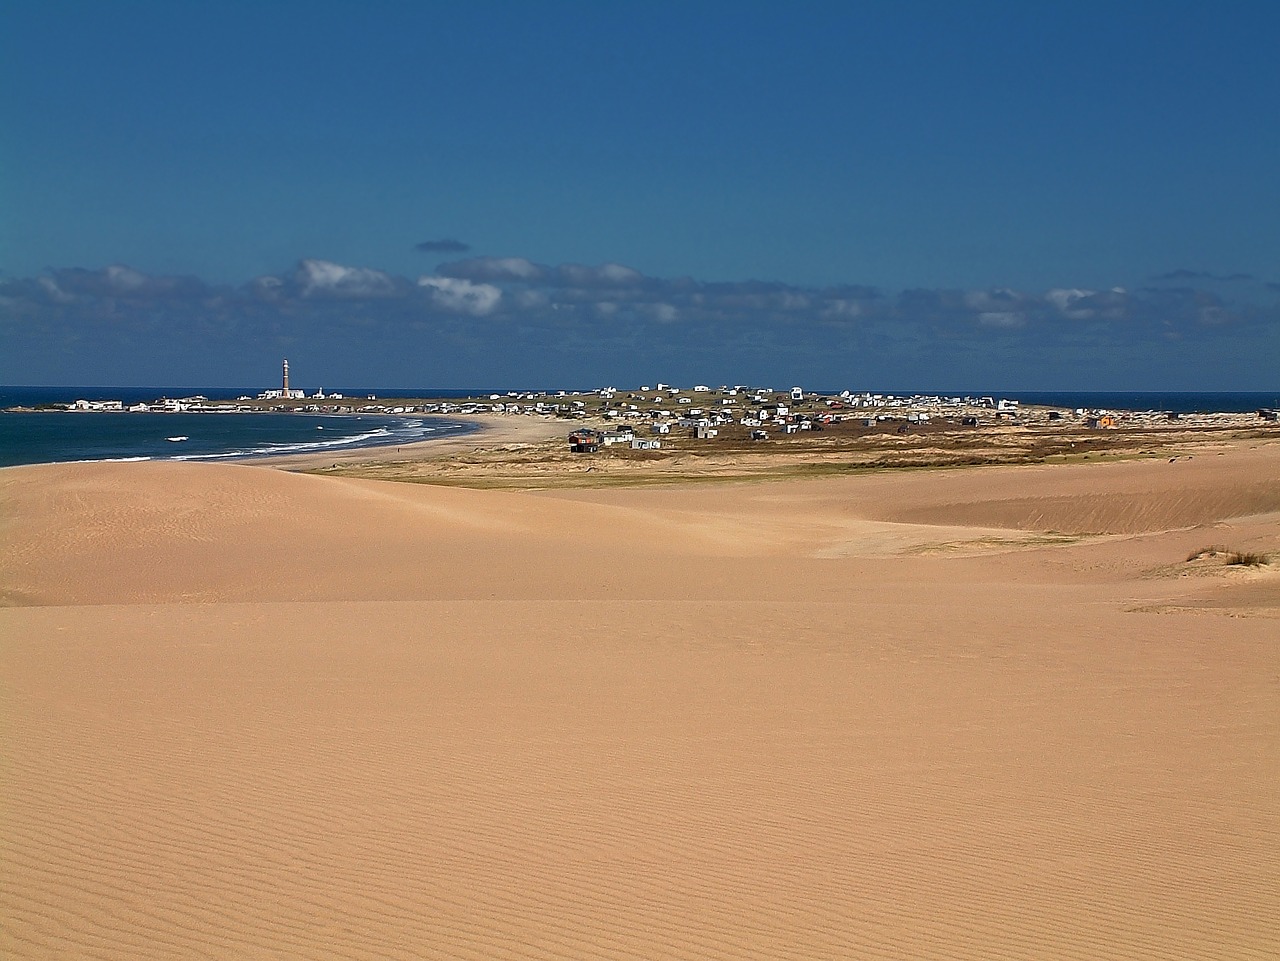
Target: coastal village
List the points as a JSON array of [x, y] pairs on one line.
[[652, 429], [649, 417]]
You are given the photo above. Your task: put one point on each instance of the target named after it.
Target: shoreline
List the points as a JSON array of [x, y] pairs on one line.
[[527, 450], [488, 430], [473, 428]]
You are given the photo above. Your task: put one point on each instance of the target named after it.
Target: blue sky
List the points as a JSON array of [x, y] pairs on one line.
[[954, 195]]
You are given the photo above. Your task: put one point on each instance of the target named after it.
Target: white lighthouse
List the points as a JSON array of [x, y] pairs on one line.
[[284, 393]]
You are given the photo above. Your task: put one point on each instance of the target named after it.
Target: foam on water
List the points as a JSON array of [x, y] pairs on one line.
[[59, 437]]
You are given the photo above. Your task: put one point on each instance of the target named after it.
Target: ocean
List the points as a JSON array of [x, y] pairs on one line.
[[37, 438], [1237, 402], [56, 436]]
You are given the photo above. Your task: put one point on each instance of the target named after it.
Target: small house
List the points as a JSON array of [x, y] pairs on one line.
[[584, 441]]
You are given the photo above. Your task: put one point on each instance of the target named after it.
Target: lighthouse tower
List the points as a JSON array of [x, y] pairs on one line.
[[284, 393]]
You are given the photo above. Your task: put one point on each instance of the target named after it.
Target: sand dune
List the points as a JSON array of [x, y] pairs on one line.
[[255, 714], [1123, 497], [1127, 498]]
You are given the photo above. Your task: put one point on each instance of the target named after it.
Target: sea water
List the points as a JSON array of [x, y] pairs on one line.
[[42, 437]]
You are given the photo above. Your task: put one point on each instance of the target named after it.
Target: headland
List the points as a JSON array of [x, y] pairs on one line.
[[642, 437]]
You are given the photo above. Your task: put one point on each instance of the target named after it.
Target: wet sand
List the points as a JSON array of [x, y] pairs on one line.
[[979, 713]]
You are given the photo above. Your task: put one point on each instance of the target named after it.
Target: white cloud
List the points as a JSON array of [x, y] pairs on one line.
[[462, 296], [518, 268], [54, 292], [618, 274], [124, 278], [325, 277], [1066, 299]]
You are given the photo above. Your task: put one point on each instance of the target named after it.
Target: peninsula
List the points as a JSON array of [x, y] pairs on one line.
[[823, 708]]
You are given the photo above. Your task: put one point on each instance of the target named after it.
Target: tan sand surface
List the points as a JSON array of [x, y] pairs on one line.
[[493, 431], [983, 713]]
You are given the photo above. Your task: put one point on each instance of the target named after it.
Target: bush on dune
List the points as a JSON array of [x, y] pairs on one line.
[[1230, 558]]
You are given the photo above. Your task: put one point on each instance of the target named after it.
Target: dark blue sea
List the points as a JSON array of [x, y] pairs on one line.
[[59, 436], [1237, 402]]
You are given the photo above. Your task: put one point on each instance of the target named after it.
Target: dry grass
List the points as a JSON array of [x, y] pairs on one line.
[[1230, 558], [1247, 559], [842, 448]]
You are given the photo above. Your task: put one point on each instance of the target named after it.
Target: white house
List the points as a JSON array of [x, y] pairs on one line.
[[98, 405]]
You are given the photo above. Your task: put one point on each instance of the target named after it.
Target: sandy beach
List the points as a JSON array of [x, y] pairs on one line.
[[994, 712], [491, 431]]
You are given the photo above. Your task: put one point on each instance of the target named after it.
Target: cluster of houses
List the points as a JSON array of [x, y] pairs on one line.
[[98, 405], [587, 440], [670, 408], [165, 405], [702, 411], [288, 393]]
